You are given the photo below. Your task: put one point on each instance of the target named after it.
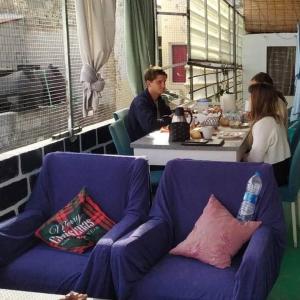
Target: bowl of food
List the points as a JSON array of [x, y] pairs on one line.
[[224, 121], [235, 123], [211, 121]]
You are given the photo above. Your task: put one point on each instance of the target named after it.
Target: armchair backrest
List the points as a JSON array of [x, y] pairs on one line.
[[186, 186], [118, 183]]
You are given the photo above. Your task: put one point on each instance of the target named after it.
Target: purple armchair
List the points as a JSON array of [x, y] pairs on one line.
[[142, 267], [118, 184]]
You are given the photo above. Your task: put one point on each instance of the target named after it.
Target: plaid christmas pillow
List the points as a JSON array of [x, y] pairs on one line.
[[76, 227]]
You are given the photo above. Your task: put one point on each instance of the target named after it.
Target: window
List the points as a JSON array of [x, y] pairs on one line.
[[33, 73], [33, 104], [211, 31], [211, 39], [281, 67]]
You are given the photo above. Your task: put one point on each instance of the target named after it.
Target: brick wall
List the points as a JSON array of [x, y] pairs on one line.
[[18, 173]]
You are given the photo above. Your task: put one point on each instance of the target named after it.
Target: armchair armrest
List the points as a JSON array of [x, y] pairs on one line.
[[259, 267], [17, 234], [135, 254], [96, 277]]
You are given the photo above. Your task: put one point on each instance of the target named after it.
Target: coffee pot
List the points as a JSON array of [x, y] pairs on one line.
[[179, 115], [179, 128]]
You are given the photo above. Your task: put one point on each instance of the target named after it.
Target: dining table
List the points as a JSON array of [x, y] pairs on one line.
[[157, 148], [6, 294]]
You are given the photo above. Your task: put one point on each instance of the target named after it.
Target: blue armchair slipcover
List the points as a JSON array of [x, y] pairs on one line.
[[142, 267], [118, 184]]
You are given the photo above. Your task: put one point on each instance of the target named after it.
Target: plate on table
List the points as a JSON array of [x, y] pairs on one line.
[[195, 142], [230, 135], [204, 142], [245, 125]]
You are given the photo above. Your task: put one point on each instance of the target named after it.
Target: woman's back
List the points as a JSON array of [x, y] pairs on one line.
[[270, 144]]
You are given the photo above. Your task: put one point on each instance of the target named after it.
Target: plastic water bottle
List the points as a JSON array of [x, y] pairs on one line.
[[202, 104], [253, 188]]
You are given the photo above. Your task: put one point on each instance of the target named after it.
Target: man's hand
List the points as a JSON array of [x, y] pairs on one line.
[[167, 119]]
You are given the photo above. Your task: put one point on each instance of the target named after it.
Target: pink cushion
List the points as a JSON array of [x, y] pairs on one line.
[[216, 237]]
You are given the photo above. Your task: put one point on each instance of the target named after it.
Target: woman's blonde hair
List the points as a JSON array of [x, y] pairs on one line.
[[263, 102]]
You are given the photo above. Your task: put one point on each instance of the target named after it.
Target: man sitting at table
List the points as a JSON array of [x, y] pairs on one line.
[[148, 111]]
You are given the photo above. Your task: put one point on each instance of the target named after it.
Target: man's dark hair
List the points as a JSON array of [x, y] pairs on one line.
[[262, 77], [153, 72]]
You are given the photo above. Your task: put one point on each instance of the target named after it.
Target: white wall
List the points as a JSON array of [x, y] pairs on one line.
[[255, 54]]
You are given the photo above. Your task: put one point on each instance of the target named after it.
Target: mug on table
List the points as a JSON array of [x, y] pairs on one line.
[[207, 132]]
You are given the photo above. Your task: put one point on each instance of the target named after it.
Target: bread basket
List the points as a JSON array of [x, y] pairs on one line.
[[209, 120]]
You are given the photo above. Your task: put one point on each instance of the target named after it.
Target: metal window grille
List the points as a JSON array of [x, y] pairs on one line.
[[211, 31], [208, 34], [33, 102]]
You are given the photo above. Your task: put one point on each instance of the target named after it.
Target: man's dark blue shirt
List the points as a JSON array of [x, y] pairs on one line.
[[144, 116]]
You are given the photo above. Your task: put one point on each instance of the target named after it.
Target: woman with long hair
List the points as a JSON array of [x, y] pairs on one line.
[[268, 136], [281, 104]]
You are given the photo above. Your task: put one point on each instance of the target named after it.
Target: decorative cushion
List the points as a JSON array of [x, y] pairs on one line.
[[76, 227], [216, 237]]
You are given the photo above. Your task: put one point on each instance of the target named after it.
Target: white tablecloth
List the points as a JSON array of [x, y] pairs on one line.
[[21, 295]]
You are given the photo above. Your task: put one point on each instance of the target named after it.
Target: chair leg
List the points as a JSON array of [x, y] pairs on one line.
[[293, 211]]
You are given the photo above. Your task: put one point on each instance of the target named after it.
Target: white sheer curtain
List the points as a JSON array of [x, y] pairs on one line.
[[96, 33]]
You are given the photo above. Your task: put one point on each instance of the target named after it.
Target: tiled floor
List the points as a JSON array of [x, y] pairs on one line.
[[287, 286]]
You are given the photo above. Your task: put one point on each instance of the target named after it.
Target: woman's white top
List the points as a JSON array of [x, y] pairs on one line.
[[270, 143]]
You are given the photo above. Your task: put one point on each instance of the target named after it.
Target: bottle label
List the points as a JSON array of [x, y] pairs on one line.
[[249, 197], [247, 208], [246, 211]]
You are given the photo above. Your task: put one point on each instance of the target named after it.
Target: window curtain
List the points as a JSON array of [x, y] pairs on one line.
[[295, 113], [280, 66], [96, 33], [139, 40]]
